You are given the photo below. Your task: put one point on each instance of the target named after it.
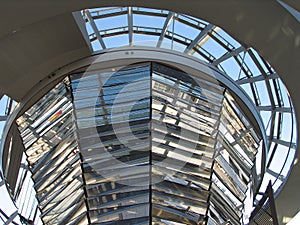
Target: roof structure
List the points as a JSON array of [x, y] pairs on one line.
[[258, 56]]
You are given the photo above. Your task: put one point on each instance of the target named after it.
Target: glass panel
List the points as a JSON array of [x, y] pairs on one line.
[[184, 118], [112, 111], [48, 133]]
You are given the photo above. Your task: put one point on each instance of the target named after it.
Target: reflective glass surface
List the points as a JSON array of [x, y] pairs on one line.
[[196, 37]]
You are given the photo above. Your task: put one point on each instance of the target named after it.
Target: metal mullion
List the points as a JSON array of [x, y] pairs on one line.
[[275, 174], [81, 23], [220, 40], [81, 158], [228, 55], [176, 37], [257, 78], [108, 13], [147, 30], [180, 18], [10, 218], [151, 133], [136, 10], [3, 118], [112, 32], [275, 133], [165, 28], [285, 143], [272, 123], [217, 131], [276, 109], [4, 215], [200, 36], [130, 25], [94, 27], [265, 76], [243, 66], [278, 92], [203, 52], [246, 70]]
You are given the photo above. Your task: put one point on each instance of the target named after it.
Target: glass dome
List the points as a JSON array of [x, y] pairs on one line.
[[105, 29], [136, 26]]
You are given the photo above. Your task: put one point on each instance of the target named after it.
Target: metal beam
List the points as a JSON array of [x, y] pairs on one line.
[[11, 218], [228, 55], [291, 10], [130, 25], [82, 26], [261, 69], [276, 109], [200, 36], [275, 174], [257, 78], [3, 118], [95, 29], [285, 143], [165, 28]]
